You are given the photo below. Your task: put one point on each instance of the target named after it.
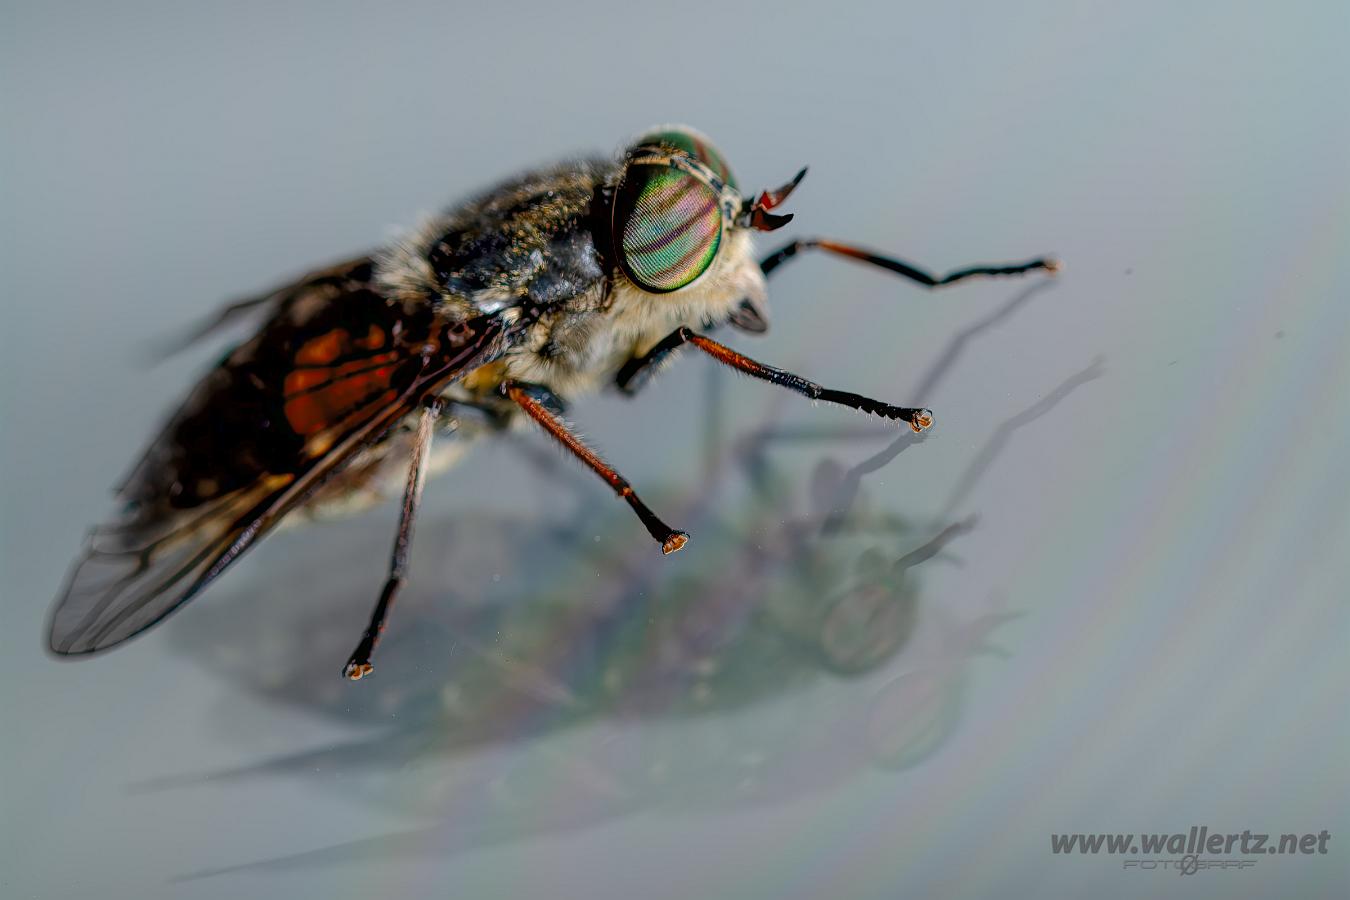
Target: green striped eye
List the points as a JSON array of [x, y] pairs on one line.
[[694, 145], [668, 224]]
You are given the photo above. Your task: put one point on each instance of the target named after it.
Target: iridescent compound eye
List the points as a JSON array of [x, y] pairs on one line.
[[667, 225], [695, 146]]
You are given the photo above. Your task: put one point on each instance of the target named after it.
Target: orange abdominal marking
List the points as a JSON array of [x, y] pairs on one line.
[[322, 350], [373, 340], [323, 396]]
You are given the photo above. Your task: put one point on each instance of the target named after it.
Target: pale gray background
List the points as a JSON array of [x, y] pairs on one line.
[[1174, 532]]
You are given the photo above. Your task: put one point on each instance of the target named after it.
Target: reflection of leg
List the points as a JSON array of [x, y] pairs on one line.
[[943, 364], [852, 480], [934, 546], [714, 433], [536, 402], [752, 450], [359, 665], [999, 439]]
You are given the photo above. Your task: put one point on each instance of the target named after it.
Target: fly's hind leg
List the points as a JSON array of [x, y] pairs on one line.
[[543, 406], [359, 665]]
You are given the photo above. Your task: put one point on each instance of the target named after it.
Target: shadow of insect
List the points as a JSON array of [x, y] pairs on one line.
[[775, 662]]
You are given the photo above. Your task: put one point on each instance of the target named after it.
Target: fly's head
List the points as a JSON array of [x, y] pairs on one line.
[[680, 229]]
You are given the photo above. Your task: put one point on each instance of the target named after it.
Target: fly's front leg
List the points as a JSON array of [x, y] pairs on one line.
[[916, 417], [775, 259], [544, 407], [358, 665], [637, 373]]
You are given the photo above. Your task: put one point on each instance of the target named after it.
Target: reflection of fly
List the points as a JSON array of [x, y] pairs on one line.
[[550, 284]]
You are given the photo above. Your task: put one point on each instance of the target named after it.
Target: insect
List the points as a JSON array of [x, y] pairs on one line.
[[547, 286]]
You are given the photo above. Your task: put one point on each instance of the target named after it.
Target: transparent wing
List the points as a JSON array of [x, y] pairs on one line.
[[325, 283], [132, 574], [251, 444]]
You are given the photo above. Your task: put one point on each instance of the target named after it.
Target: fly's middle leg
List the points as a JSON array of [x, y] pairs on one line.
[[539, 404]]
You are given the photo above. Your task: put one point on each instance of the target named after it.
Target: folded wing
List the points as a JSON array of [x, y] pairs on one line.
[[325, 378]]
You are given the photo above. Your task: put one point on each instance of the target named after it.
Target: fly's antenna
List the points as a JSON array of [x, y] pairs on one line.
[[756, 214]]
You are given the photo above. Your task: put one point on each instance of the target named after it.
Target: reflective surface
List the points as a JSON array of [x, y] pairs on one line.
[[1105, 593]]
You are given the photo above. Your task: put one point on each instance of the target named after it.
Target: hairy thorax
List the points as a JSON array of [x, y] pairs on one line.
[[574, 322]]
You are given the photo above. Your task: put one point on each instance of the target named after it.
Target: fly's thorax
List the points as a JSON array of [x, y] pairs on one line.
[[528, 244], [541, 252]]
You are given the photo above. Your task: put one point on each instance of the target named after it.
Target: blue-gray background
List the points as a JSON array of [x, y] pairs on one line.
[[1155, 449]]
